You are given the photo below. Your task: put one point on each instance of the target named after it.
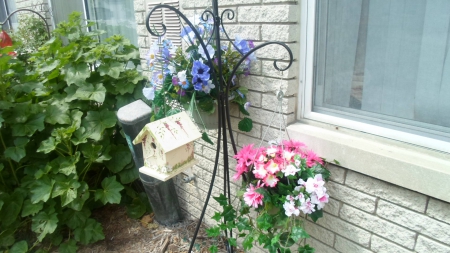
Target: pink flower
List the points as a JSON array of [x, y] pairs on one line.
[[259, 171], [272, 167], [247, 154], [241, 168], [253, 198], [319, 201], [271, 180], [292, 145], [314, 184], [307, 207], [312, 158], [290, 209]]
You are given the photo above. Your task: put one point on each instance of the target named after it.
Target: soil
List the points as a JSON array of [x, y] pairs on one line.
[[123, 234]]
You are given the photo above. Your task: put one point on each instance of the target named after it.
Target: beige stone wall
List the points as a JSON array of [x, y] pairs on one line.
[[364, 214]]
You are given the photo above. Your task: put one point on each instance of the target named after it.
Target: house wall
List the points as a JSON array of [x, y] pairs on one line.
[[364, 214]]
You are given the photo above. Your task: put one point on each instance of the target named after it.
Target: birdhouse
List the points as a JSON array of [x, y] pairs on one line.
[[168, 146]]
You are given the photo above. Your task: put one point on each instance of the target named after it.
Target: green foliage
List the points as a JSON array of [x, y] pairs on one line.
[[30, 34], [61, 152]]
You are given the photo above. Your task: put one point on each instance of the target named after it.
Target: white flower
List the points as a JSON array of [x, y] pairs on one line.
[[182, 76], [290, 170], [290, 209], [314, 184], [210, 50], [297, 163], [247, 105], [171, 69], [307, 207], [207, 88], [149, 92]]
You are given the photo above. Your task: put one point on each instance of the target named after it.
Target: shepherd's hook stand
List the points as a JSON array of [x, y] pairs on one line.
[[224, 122]]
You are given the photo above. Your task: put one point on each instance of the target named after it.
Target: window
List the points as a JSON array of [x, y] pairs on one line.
[[6, 7], [112, 16], [381, 67]]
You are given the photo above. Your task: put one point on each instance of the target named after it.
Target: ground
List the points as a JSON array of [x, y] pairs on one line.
[[123, 234]]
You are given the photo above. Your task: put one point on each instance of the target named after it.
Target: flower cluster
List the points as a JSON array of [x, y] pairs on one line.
[[290, 163], [187, 76]]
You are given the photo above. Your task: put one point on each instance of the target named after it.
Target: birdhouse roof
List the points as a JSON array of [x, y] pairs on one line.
[[171, 132]]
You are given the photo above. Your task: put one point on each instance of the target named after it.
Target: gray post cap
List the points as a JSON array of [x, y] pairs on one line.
[[133, 112]]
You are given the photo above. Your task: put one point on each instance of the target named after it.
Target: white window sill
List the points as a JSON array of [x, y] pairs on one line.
[[412, 167]]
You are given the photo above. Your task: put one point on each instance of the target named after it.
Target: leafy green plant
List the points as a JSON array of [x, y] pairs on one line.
[[30, 34], [62, 151]]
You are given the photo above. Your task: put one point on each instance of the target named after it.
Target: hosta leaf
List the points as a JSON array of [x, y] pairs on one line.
[[91, 232], [128, 175], [67, 190], [30, 208], [76, 73], [19, 247], [82, 195], [246, 124], [44, 223], [120, 157], [57, 114], [68, 247], [33, 124], [17, 152], [41, 189], [95, 92], [110, 192], [113, 70], [96, 122], [75, 219]]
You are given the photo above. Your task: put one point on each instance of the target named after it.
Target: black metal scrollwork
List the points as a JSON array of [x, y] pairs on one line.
[[35, 12]]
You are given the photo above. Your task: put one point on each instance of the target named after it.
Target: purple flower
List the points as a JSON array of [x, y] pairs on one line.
[[247, 105], [200, 70], [175, 80], [198, 83], [181, 92]]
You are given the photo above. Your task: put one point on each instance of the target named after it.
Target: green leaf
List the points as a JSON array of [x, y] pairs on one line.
[[19, 247], [206, 105], [96, 122], [30, 208], [48, 66], [206, 138], [91, 232], [110, 192], [76, 73], [120, 157], [17, 152], [128, 175], [44, 223], [67, 190], [242, 109], [113, 70], [217, 216], [33, 124], [246, 124], [41, 189], [42, 171], [12, 206], [243, 224], [48, 145], [66, 164], [229, 214], [91, 152], [298, 233], [285, 240], [334, 160], [69, 246], [306, 249], [57, 114], [316, 215], [264, 221], [75, 219], [248, 242], [82, 195], [232, 242], [213, 232], [213, 249], [223, 201], [136, 209], [86, 91]]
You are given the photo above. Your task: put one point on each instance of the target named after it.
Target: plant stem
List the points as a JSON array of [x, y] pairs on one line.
[[85, 170], [9, 160]]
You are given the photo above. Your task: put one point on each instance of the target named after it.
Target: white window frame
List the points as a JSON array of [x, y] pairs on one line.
[[307, 53], [414, 162]]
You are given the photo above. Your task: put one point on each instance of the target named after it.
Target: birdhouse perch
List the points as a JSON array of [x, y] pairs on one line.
[[168, 146]]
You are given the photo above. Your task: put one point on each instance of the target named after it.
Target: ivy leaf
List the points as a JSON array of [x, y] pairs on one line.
[[82, 195], [91, 232], [229, 213], [213, 249], [285, 240], [232, 241], [243, 224], [242, 109], [19, 247], [41, 189], [75, 219], [67, 190], [264, 221], [76, 73], [206, 138], [306, 249], [113, 70], [298, 233], [86, 91], [110, 192], [96, 122], [30, 208], [223, 201], [120, 157], [44, 223], [217, 216], [68, 247], [213, 232], [246, 124], [33, 124], [17, 152], [248, 242], [316, 215], [57, 114]]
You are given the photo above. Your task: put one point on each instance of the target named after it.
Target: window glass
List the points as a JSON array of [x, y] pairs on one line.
[[385, 62]]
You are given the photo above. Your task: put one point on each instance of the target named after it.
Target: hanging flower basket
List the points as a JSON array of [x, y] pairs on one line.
[[280, 183]]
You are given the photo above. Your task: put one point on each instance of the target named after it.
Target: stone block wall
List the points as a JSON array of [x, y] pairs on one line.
[[364, 214], [40, 6]]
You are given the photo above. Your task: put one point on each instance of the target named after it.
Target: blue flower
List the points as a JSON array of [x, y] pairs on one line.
[[200, 70], [198, 83]]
